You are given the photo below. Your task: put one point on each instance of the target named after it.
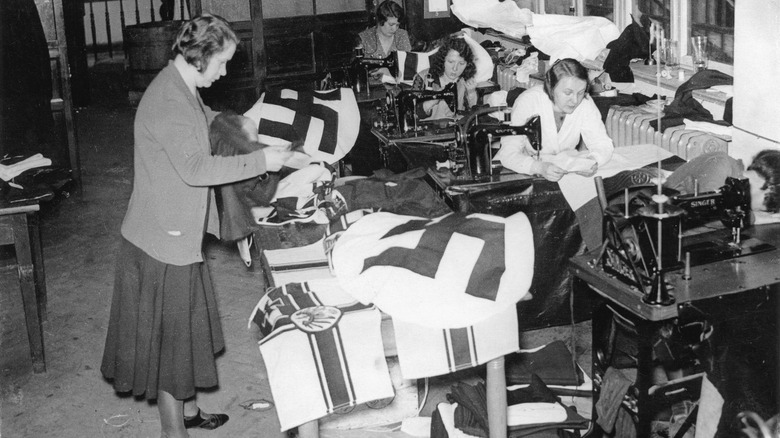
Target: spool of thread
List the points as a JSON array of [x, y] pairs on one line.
[[681, 75]]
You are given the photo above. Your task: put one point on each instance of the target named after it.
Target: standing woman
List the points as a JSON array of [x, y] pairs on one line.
[[164, 329], [452, 63], [567, 113], [386, 37]]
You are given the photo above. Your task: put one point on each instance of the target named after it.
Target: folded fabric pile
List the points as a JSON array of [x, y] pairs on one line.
[[534, 411]]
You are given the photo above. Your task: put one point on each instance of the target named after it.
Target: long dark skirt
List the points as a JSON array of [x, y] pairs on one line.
[[164, 329]]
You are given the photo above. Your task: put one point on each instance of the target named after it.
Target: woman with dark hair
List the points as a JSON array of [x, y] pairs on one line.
[[452, 63], [386, 37], [567, 114], [164, 329], [764, 176]]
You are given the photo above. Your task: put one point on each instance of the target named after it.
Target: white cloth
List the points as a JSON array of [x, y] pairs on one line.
[[516, 153], [503, 16], [714, 128], [426, 352], [524, 414], [578, 189], [320, 125], [482, 59], [322, 350], [566, 36], [11, 171], [447, 272]]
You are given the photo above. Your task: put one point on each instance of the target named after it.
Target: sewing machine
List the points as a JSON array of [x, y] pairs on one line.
[[398, 115], [476, 140], [645, 236], [355, 74]]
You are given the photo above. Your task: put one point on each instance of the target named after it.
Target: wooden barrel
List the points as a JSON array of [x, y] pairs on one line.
[[148, 48]]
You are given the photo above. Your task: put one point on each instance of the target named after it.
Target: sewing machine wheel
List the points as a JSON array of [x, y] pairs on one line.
[[623, 255]]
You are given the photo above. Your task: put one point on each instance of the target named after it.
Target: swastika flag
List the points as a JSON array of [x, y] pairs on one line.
[[447, 272]]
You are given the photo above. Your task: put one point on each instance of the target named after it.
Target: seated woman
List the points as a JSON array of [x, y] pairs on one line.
[[377, 42], [452, 63], [567, 114], [386, 37], [764, 176]]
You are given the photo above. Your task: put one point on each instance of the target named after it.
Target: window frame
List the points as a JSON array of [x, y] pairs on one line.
[[680, 29]]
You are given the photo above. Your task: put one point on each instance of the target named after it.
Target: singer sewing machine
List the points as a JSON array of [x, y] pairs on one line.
[[476, 140], [355, 74], [648, 235], [398, 116]]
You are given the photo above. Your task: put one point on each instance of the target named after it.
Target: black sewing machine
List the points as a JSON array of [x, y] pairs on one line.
[[400, 113], [476, 141], [355, 74], [650, 234]]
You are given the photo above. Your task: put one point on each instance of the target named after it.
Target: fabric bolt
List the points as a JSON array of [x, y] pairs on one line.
[[516, 152], [164, 328], [446, 272], [317, 125], [172, 151], [426, 352], [323, 350]]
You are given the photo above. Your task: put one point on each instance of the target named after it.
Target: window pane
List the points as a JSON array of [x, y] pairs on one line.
[[656, 10], [715, 19], [600, 8]]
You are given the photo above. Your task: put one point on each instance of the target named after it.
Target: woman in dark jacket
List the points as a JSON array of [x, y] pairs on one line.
[[164, 329]]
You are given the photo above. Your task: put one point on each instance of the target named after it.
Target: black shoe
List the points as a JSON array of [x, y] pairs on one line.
[[205, 421]]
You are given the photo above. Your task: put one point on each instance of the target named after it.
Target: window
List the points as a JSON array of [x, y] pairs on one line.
[[715, 20], [681, 19], [711, 18]]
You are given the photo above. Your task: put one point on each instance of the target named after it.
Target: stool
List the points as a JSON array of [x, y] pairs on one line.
[[19, 227]]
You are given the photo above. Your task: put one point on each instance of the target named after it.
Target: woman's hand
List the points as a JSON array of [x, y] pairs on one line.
[[471, 84], [590, 172], [275, 157], [548, 171]]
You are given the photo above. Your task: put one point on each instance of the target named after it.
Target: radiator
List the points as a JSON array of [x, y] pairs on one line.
[[629, 126], [505, 77]]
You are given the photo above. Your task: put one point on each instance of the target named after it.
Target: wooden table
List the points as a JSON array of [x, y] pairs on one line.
[[19, 227]]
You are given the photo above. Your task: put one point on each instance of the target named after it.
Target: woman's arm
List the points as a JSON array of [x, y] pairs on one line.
[[594, 133], [175, 128]]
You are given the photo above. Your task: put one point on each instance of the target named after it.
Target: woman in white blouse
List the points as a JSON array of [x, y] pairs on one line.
[[567, 114]]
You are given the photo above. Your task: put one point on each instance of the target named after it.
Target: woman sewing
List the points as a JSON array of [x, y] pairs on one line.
[[452, 63], [567, 114], [387, 36]]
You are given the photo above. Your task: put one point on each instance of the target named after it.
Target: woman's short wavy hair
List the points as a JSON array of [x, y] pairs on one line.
[[201, 38], [767, 165], [459, 45], [561, 69], [388, 9]]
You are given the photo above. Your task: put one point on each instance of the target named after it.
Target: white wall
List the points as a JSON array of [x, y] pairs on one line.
[[756, 78]]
